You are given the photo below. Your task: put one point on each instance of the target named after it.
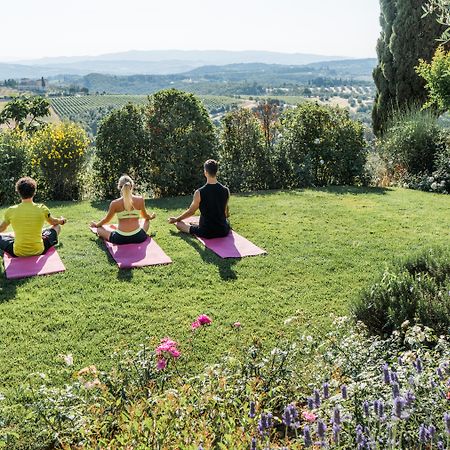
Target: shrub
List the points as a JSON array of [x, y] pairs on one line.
[[181, 139], [14, 157], [58, 152], [321, 145], [418, 287], [244, 161], [439, 180], [122, 147], [412, 141]]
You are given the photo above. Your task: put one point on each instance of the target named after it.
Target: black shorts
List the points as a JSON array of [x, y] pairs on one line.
[[49, 239], [208, 234], [120, 239]]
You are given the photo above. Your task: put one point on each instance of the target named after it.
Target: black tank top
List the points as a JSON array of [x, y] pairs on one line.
[[213, 199]]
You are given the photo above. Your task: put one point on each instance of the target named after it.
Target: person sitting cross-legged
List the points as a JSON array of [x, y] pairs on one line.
[[129, 208], [27, 219], [212, 200]]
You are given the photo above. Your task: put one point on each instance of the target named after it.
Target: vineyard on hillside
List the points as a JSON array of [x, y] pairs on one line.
[[69, 107]]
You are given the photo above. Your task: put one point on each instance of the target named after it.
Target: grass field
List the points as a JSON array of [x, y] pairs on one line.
[[323, 247]]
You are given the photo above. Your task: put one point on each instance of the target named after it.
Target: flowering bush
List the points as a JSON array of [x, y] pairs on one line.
[[415, 287], [58, 152], [350, 391]]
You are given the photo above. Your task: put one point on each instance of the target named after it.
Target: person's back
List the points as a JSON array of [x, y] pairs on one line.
[[27, 220], [213, 202]]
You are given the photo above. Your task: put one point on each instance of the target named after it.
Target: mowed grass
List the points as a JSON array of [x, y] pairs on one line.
[[323, 246]]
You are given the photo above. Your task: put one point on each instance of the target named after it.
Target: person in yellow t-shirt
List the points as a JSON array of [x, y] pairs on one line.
[[27, 219]]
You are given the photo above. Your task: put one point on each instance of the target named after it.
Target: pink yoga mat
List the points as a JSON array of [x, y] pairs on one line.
[[129, 256], [231, 246], [29, 266]]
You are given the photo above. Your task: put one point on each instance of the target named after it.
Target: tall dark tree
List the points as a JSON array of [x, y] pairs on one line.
[[406, 37]]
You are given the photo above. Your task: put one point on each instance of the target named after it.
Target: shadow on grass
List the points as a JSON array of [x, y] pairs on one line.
[[224, 265], [122, 274], [355, 190], [8, 289]]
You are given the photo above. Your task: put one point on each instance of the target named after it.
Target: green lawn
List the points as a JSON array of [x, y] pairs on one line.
[[323, 246]]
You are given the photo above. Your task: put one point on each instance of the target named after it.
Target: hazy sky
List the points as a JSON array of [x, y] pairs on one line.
[[38, 28]]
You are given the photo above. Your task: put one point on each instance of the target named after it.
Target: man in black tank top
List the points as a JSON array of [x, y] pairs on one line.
[[212, 200]]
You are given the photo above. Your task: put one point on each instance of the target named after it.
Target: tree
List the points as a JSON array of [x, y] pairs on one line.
[[406, 37], [244, 159], [25, 113], [437, 77], [268, 112], [122, 147], [181, 138]]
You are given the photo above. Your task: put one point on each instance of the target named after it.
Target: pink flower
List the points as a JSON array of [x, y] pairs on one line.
[[237, 324], [195, 324], [168, 346], [161, 364], [203, 319], [309, 416]]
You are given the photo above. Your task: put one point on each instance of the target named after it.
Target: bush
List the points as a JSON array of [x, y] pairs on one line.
[[182, 138], [412, 141], [439, 180], [244, 162], [321, 145], [58, 154], [14, 163], [122, 147], [418, 287]]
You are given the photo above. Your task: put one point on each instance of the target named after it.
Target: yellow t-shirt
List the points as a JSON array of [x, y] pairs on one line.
[[27, 220]]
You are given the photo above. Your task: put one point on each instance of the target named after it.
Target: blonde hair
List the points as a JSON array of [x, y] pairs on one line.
[[126, 186]]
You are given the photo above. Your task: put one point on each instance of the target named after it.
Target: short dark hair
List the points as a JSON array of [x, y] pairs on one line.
[[26, 187], [211, 167]]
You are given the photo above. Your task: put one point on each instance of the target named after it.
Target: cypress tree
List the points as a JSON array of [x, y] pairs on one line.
[[406, 36]]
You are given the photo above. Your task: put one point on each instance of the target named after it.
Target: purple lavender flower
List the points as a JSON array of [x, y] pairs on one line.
[[395, 390], [290, 416], [418, 365], [359, 434], [376, 406], [310, 403], [431, 431], [252, 412], [447, 422], [344, 392], [366, 408], [394, 377], [423, 435], [399, 361], [411, 381], [265, 423], [440, 374], [399, 402], [440, 445], [337, 416], [253, 444], [386, 374], [409, 397], [336, 431], [326, 390], [380, 409], [307, 436], [433, 384], [321, 429], [316, 398]]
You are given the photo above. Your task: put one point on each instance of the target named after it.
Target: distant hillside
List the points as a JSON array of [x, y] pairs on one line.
[[245, 79], [150, 62]]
